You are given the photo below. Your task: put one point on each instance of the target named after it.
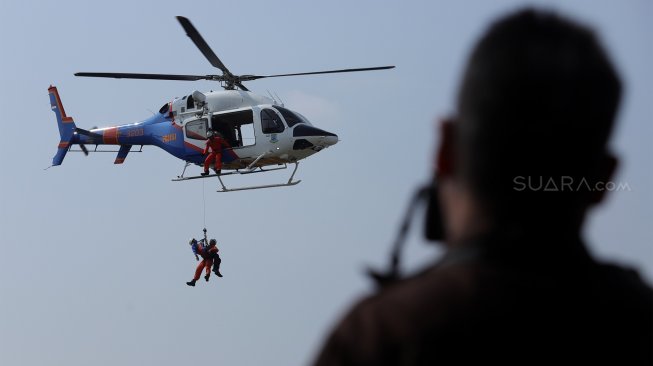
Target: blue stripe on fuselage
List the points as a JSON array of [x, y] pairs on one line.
[[157, 130]]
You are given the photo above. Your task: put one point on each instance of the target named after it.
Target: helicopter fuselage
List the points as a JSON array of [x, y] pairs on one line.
[[259, 130]]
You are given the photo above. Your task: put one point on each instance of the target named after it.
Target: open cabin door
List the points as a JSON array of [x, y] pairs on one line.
[[237, 127]]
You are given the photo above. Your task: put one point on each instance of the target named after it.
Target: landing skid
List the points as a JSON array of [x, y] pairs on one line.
[[243, 172], [178, 179], [289, 183]]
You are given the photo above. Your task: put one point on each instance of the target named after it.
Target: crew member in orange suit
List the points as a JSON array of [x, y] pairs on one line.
[[207, 253], [215, 143]]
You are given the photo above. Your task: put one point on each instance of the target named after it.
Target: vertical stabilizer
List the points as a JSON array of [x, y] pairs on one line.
[[66, 126]]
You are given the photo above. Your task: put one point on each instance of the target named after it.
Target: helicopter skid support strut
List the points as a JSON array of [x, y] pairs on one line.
[[289, 183], [186, 164]]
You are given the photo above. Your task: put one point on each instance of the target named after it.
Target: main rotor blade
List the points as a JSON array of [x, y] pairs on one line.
[[118, 75], [202, 45], [254, 77], [241, 86]]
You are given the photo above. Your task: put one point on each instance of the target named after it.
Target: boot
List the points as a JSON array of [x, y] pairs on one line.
[[206, 278], [191, 283], [217, 273], [204, 173], [218, 171]]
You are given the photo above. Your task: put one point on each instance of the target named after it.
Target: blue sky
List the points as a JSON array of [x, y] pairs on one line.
[[93, 256]]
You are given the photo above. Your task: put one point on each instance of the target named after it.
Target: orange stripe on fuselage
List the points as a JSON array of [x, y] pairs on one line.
[[63, 144], [110, 136]]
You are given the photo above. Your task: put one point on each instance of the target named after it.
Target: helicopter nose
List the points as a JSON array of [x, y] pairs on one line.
[[310, 131], [315, 135], [330, 140]]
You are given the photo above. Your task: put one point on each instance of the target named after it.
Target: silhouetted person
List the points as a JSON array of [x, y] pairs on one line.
[[517, 284]]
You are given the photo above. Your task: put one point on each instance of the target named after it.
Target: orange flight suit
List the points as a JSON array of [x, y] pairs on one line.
[[206, 262], [216, 144]]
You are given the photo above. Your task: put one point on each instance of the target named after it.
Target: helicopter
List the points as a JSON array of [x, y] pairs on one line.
[[263, 134]]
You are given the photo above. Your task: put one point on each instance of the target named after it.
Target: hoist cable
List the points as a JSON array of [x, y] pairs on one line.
[[204, 203]]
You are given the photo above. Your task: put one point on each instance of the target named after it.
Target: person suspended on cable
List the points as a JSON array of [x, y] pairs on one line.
[[215, 256], [194, 246], [208, 252], [214, 145]]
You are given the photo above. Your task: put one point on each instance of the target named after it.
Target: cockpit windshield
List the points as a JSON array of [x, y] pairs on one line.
[[291, 117]]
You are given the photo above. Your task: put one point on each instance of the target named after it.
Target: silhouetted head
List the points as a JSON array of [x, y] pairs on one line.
[[213, 242], [536, 107]]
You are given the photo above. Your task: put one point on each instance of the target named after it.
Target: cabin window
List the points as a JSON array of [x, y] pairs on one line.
[[164, 109], [190, 102], [291, 117], [270, 122], [196, 129], [236, 127]]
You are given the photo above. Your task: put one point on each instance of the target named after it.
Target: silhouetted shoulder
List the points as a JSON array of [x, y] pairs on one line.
[[476, 310]]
